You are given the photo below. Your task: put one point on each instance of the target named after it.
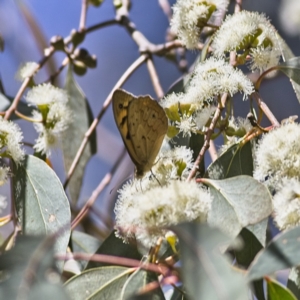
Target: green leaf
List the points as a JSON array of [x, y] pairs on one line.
[[276, 291], [293, 282], [236, 160], [82, 242], [137, 281], [245, 256], [291, 68], [29, 268], [98, 283], [82, 118], [116, 247], [237, 202], [23, 108], [41, 203], [281, 253], [206, 273]]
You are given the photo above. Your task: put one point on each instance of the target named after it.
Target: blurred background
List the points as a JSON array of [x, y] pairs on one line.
[[115, 52]]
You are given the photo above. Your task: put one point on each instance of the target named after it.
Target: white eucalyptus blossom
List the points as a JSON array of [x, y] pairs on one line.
[[190, 16], [286, 203], [249, 30], [53, 112], [145, 215], [26, 70], [186, 125], [202, 116], [10, 141], [3, 203], [46, 94], [278, 155]]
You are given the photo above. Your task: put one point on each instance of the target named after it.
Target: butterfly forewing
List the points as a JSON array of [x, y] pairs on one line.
[[143, 124]]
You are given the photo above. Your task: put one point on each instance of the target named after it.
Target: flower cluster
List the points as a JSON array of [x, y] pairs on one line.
[[277, 164], [10, 146], [248, 33], [212, 78], [53, 115], [145, 207], [190, 16], [146, 215]]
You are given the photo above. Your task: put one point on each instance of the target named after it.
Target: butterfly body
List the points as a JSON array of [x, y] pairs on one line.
[[143, 124]]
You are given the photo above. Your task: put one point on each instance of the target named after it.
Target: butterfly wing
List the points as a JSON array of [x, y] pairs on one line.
[[147, 125], [143, 124]]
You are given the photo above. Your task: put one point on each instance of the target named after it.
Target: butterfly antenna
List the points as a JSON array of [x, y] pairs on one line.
[[155, 177]]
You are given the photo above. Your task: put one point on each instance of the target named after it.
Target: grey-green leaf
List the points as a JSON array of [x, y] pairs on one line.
[[137, 281], [30, 265], [83, 242], [82, 118], [207, 273], [236, 160], [41, 203], [98, 283], [237, 202], [281, 253]]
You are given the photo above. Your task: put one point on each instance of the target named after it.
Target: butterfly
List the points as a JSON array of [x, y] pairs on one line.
[[142, 123]]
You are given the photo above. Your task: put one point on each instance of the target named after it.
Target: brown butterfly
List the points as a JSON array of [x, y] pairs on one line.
[[142, 123]]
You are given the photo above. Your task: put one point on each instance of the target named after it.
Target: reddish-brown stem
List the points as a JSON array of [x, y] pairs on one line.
[[104, 182], [208, 135], [116, 260], [263, 106], [154, 78], [105, 105], [238, 6]]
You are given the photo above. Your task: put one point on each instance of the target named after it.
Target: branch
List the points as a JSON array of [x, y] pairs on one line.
[[154, 78], [208, 135], [84, 7]]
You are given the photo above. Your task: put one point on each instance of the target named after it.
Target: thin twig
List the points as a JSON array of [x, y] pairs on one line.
[[208, 135], [104, 182], [84, 7], [116, 260], [263, 106], [166, 8], [238, 6], [154, 78], [105, 105], [212, 150]]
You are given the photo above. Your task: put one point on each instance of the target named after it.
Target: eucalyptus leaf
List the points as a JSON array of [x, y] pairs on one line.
[[291, 68], [207, 273], [245, 256], [41, 203], [73, 136], [276, 291], [237, 202], [98, 283], [116, 247], [281, 253], [139, 279], [31, 255], [236, 160], [293, 282], [83, 242]]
